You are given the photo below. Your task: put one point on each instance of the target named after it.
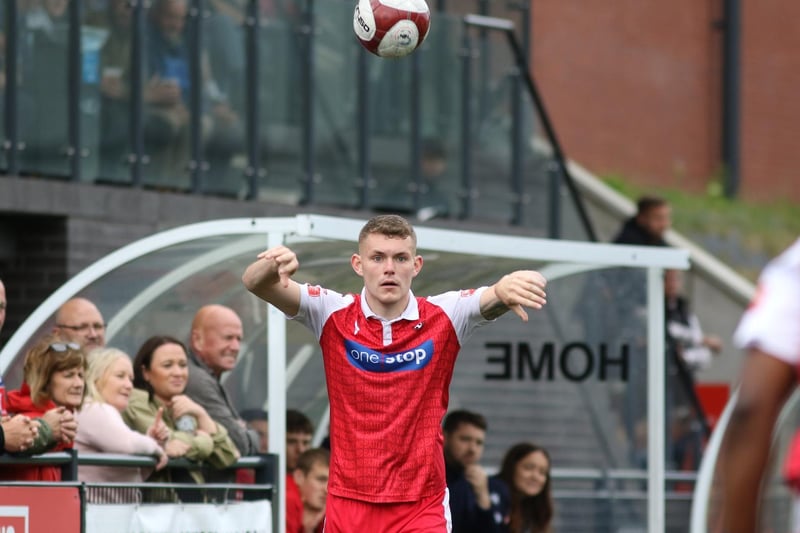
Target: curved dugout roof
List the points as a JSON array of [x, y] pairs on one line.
[[155, 285]]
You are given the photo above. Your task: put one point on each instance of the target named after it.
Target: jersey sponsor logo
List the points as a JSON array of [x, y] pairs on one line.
[[314, 290], [466, 293], [371, 360]]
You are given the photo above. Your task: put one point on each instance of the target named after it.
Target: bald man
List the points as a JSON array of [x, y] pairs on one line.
[[213, 349], [79, 320]]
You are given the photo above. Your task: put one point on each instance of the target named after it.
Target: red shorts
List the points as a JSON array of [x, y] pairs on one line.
[[431, 515]]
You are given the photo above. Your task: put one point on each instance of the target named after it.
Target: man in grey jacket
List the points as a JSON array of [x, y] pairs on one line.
[[214, 348]]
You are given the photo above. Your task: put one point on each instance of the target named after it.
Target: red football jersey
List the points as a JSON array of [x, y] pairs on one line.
[[388, 387]]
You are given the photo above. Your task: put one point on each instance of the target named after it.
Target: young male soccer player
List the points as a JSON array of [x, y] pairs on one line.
[[389, 358]]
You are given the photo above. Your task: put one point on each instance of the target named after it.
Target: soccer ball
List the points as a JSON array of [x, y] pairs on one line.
[[391, 28]]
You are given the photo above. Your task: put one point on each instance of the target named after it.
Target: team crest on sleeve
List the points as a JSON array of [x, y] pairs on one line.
[[466, 293], [371, 360], [314, 290]]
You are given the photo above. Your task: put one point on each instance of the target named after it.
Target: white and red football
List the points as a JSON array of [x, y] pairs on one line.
[[391, 28]]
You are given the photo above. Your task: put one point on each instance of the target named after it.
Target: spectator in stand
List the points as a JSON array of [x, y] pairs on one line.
[[160, 371], [299, 431], [167, 119], [526, 472], [109, 382], [214, 344], [311, 478], [684, 334], [478, 503], [79, 321], [53, 389], [770, 333], [258, 420], [649, 225]]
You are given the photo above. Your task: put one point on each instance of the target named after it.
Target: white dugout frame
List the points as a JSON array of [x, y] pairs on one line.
[[565, 258]]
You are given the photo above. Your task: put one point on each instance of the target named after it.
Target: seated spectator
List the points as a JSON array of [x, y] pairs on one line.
[[299, 431], [478, 503], [109, 381], [78, 320], [311, 478], [53, 389], [526, 472], [167, 119], [258, 420], [160, 372]]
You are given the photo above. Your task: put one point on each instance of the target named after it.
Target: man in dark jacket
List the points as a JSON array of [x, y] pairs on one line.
[[478, 503], [647, 228]]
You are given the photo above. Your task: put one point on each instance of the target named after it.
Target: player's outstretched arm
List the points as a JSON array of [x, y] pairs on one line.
[[514, 291], [766, 384], [269, 278]]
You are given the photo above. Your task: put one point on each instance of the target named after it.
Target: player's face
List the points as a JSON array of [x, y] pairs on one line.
[[387, 264], [313, 486], [530, 474], [465, 444], [296, 443]]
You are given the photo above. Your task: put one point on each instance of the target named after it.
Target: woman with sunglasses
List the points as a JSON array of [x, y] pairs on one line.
[[160, 373], [52, 391], [109, 382]]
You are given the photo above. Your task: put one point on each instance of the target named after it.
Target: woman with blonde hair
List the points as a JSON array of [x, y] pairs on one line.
[[109, 381], [53, 389]]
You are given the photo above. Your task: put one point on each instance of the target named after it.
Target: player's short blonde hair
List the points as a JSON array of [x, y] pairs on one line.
[[389, 225]]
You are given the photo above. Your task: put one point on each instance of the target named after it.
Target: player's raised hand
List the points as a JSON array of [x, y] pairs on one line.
[[520, 289], [282, 261]]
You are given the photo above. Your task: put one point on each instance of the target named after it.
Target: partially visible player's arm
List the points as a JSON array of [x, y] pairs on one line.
[[766, 384], [269, 278], [523, 288]]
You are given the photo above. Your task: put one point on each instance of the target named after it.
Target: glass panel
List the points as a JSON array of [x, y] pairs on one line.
[[167, 86], [224, 97], [336, 104], [43, 63], [113, 146], [281, 88], [97, 80], [3, 82]]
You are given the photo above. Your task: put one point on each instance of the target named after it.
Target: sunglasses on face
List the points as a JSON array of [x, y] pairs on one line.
[[61, 347]]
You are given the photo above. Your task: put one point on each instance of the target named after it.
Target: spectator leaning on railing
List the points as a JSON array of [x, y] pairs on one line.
[[109, 381], [53, 389], [160, 372]]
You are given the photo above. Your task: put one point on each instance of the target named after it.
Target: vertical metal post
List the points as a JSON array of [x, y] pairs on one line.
[[11, 141], [731, 93], [484, 64], [137, 158], [416, 128], [554, 203], [253, 114], [466, 126], [197, 164], [276, 396], [363, 122], [74, 78], [517, 150], [655, 400], [308, 105]]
